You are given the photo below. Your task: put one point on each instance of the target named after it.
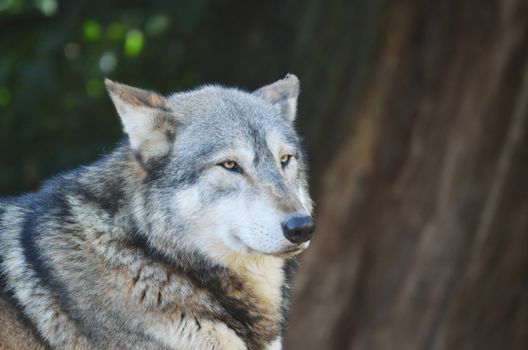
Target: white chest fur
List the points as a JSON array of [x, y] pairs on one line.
[[207, 335], [263, 276], [193, 335]]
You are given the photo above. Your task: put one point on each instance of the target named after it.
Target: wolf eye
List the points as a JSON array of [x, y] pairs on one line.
[[231, 165], [285, 159]]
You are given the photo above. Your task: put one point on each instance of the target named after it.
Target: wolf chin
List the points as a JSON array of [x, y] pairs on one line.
[[183, 237]]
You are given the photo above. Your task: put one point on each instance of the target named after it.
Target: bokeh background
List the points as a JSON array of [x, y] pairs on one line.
[[415, 116]]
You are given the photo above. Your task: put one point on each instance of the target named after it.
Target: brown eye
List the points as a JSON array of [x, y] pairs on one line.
[[231, 165], [285, 159]]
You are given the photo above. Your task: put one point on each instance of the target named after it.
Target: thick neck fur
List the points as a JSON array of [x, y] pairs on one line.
[[102, 247]]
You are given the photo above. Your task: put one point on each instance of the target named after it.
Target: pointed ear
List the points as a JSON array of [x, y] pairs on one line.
[[147, 119], [283, 95]]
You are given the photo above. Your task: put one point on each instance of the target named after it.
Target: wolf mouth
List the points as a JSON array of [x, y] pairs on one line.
[[292, 250], [288, 252]]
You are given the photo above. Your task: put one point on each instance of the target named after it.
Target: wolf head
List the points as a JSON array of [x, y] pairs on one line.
[[222, 169]]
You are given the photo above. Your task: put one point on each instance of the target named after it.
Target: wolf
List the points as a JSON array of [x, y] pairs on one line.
[[183, 237]]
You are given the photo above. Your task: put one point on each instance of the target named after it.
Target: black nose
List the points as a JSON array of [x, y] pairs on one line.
[[298, 229]]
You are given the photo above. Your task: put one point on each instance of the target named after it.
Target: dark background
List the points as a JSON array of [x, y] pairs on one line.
[[415, 115]]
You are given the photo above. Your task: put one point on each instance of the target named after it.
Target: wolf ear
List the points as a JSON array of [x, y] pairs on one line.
[[283, 95], [147, 119]]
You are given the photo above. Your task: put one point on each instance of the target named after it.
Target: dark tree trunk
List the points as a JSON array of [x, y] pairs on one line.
[[422, 190]]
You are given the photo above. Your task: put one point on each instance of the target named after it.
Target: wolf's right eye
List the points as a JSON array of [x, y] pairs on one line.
[[231, 165]]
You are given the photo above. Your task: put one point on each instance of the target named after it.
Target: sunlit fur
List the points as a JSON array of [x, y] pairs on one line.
[[157, 245]]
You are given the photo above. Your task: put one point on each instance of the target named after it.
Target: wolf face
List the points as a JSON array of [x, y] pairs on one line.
[[222, 170]]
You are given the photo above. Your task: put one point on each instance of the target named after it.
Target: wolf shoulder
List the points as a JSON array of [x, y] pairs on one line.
[[15, 332]]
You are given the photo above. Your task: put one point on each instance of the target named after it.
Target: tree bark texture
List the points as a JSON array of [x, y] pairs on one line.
[[420, 176]]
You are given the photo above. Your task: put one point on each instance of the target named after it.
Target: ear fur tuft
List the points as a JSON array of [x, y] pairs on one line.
[[283, 94], [147, 120]]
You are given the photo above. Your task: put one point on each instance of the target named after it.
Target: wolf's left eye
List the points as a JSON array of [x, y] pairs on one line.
[[231, 165], [285, 159]]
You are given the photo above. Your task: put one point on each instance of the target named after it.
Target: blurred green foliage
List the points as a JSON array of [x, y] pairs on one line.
[[54, 113]]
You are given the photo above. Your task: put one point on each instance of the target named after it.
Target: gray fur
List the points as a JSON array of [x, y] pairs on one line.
[[132, 252]]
